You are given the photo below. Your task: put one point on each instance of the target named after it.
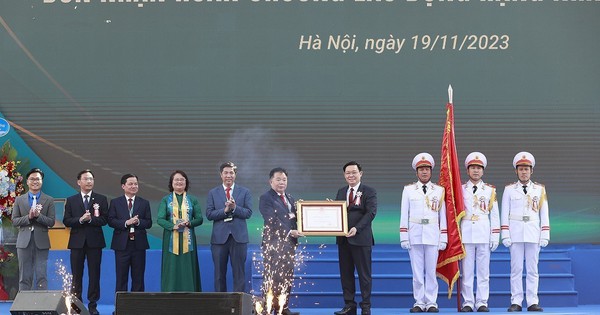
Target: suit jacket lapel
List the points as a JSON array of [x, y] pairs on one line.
[[235, 193], [25, 204], [123, 200], [80, 203], [43, 198], [91, 201], [292, 203]]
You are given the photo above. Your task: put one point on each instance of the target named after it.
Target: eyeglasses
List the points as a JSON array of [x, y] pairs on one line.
[[87, 179], [34, 179], [179, 180]]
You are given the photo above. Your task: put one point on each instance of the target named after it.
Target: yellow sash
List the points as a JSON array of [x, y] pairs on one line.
[[176, 218]]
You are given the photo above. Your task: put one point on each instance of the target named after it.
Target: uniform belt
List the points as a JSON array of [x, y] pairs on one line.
[[524, 218], [477, 217], [423, 220]]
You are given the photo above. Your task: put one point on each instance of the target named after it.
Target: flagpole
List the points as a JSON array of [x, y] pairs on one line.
[[458, 282]]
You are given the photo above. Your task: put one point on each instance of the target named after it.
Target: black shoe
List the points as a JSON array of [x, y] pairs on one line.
[[483, 308], [347, 310], [416, 309], [535, 308], [433, 309], [93, 311], [365, 311], [287, 311], [515, 308], [466, 309]]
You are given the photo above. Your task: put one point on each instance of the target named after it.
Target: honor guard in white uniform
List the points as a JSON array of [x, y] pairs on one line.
[[423, 232], [525, 228], [480, 230]]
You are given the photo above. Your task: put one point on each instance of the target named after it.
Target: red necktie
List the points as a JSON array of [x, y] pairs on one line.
[[131, 230], [351, 197], [283, 199], [227, 193]]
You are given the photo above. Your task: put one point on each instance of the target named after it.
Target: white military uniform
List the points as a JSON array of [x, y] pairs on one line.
[[480, 230], [423, 224], [525, 224]]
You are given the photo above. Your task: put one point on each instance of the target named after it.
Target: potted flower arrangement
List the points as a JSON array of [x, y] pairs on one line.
[[11, 186]]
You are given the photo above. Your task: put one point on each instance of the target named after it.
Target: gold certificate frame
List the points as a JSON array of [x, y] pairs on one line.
[[322, 218]]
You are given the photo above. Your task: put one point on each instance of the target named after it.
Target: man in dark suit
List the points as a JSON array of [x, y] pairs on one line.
[[355, 248], [279, 240], [129, 215], [86, 213], [229, 206], [33, 213]]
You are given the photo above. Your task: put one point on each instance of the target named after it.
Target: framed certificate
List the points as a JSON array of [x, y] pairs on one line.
[[322, 218]]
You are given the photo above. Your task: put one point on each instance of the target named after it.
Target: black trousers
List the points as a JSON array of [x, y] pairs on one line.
[[352, 257], [94, 259], [127, 260]]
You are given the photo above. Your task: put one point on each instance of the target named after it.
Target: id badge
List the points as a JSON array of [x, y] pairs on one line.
[[228, 219]]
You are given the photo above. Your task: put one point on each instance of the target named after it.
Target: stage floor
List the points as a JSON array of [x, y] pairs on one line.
[[580, 310]]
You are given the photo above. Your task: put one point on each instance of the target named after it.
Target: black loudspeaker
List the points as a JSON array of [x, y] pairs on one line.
[[46, 303], [144, 303]]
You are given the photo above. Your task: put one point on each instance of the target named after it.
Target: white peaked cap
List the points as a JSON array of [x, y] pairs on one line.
[[476, 158], [423, 159], [524, 158]]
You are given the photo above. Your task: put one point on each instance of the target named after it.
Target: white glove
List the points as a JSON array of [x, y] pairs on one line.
[[543, 243], [493, 246], [506, 242], [442, 246], [405, 244]]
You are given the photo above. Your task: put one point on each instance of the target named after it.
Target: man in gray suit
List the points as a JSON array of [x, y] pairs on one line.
[[229, 206], [33, 214]]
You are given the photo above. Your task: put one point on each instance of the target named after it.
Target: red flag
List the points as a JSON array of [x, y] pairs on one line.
[[447, 266]]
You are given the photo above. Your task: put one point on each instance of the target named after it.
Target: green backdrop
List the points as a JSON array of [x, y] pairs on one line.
[[152, 86]]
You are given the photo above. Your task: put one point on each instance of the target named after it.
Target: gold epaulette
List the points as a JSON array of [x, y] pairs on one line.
[[536, 183], [410, 184], [490, 185]]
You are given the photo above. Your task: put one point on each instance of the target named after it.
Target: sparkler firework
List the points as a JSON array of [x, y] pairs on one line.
[[279, 260], [67, 280]]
